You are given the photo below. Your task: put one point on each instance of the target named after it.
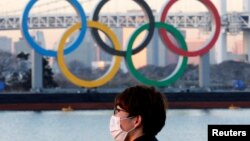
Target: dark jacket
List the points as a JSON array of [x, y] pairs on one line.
[[146, 138]]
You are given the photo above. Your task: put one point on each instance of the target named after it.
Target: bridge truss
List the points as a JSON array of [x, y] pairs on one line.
[[232, 22]]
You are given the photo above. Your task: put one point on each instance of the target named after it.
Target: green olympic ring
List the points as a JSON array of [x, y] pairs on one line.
[[182, 62]]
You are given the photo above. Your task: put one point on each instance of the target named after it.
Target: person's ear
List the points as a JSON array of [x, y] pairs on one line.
[[138, 121]]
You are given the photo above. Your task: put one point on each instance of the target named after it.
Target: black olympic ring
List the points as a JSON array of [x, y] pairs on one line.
[[111, 50]]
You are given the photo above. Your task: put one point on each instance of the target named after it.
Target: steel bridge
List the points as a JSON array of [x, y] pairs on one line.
[[232, 22]]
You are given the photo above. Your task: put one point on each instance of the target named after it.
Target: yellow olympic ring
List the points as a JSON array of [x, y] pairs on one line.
[[108, 75]]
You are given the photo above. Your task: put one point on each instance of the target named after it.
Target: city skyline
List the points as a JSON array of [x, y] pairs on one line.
[[201, 23], [235, 45], [51, 42]]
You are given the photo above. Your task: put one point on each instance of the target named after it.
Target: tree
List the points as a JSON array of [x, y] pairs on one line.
[[19, 79], [78, 69], [48, 79], [7, 64]]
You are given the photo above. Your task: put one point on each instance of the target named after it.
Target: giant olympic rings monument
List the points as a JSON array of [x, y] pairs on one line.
[[215, 22]]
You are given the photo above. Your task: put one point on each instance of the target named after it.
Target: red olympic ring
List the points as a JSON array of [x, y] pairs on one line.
[[208, 46]]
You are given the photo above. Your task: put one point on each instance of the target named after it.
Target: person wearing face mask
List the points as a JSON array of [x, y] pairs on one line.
[[139, 114]]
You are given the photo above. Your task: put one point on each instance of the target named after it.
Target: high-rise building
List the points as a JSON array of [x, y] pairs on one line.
[[153, 50], [21, 46], [89, 53], [85, 53], [108, 57], [159, 54], [6, 44]]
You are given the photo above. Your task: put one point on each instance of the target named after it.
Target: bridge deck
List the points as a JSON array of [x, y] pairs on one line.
[[238, 21]]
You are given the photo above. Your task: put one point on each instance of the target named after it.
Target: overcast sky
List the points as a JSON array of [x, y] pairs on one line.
[[16, 6]]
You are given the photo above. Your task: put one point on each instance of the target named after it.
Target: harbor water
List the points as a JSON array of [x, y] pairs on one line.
[[94, 125]]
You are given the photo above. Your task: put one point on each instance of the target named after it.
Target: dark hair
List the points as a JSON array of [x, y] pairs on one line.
[[145, 101]]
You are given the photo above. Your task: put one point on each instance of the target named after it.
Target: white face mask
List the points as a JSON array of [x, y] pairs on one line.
[[115, 128]]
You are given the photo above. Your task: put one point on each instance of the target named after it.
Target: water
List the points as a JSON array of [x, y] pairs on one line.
[[93, 125]]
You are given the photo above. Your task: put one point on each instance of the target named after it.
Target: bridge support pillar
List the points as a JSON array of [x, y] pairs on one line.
[[246, 33], [246, 44], [153, 50], [37, 65], [246, 5], [204, 71], [37, 71], [221, 45], [119, 33]]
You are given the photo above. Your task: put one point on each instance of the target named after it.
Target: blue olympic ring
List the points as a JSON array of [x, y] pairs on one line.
[[43, 51]]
